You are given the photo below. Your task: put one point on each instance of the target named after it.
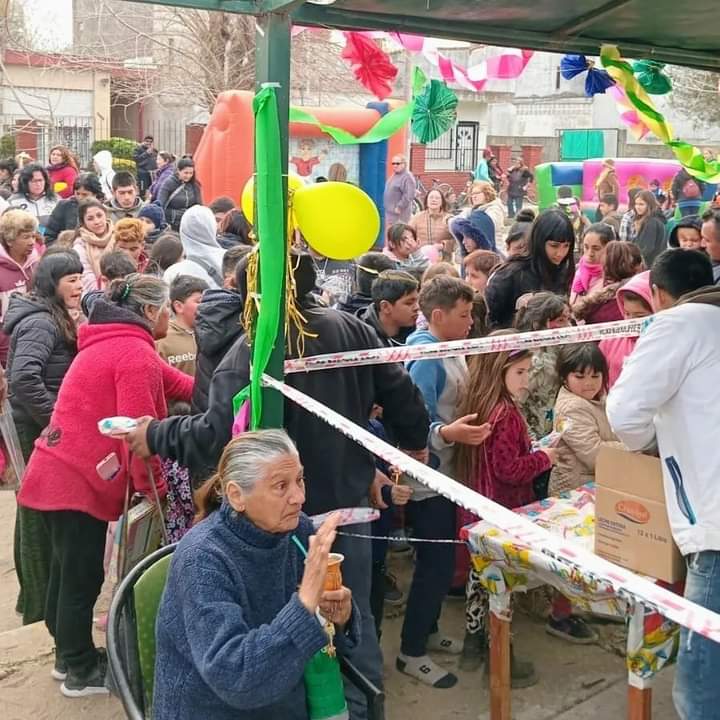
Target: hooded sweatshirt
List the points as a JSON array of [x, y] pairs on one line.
[[103, 163], [14, 278], [218, 324], [38, 360], [616, 350], [115, 212], [41, 209], [668, 392], [116, 372], [198, 234], [691, 221]]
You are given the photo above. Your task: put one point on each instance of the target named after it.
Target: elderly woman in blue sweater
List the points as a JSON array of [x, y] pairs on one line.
[[238, 618]]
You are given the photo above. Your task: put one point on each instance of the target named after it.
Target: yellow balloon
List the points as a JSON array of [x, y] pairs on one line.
[[338, 220], [247, 201]]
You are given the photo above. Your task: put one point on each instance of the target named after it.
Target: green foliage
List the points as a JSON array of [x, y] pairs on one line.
[[121, 148], [7, 147], [122, 165]]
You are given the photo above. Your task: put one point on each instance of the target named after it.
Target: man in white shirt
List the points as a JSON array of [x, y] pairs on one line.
[[669, 393]]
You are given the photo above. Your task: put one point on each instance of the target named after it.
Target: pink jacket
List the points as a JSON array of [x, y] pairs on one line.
[[617, 349], [13, 278], [116, 372]]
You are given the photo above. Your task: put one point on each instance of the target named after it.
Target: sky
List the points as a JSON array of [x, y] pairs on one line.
[[50, 21]]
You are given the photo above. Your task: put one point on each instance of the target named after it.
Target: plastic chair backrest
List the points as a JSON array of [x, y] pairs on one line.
[[147, 593]]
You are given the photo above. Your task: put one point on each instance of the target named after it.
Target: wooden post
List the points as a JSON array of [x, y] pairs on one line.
[[639, 703], [499, 668]]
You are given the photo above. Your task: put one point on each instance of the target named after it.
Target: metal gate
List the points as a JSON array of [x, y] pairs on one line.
[[466, 146]]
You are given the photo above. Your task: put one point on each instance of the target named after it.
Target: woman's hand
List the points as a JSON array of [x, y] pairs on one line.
[[316, 564], [336, 605]]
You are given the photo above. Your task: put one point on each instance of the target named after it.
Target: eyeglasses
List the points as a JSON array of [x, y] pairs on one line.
[[400, 162]]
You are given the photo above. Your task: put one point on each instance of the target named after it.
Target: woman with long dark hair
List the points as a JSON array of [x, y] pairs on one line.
[[234, 230], [549, 265], [62, 170], [43, 343], [35, 194], [77, 478], [179, 192], [92, 239], [649, 228]]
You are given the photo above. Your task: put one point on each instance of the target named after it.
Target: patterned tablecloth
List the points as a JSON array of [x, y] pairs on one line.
[[504, 565]]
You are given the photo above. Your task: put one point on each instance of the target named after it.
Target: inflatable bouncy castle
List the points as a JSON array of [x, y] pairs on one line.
[[224, 158], [581, 177]]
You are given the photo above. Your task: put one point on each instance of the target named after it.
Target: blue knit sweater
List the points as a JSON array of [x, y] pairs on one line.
[[232, 635]]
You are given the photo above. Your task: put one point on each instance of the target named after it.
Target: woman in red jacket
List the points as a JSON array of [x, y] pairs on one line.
[[77, 477], [62, 171]]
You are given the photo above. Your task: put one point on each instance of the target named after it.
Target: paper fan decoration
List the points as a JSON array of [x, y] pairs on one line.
[[372, 67], [650, 75], [596, 81], [435, 112]]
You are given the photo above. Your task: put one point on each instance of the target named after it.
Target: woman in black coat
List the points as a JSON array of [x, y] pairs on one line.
[[65, 214], [179, 192], [548, 266], [43, 343], [649, 227]]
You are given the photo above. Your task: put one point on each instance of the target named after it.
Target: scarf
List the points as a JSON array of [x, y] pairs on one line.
[[95, 246]]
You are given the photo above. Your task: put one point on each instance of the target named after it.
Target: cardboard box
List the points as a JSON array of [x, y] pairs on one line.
[[631, 522]]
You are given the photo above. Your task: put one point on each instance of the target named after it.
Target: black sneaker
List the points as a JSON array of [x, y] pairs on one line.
[[78, 685], [474, 652], [573, 629]]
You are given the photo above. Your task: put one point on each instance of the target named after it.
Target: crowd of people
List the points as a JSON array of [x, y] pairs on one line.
[[113, 304]]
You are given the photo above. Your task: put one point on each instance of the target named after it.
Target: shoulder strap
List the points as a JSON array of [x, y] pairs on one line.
[[172, 195], [209, 269]]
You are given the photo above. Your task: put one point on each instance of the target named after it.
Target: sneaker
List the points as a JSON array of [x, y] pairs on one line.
[[78, 685], [573, 629], [393, 594], [474, 652], [59, 672]]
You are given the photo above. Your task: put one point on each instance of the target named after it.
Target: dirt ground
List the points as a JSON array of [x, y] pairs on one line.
[[576, 682]]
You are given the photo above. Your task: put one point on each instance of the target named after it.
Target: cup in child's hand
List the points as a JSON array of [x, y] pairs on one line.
[[333, 579]]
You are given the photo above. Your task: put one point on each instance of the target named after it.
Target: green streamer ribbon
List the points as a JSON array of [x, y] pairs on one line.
[[689, 156], [269, 214], [385, 127]]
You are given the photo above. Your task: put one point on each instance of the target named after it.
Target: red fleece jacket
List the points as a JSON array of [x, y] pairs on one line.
[[116, 372], [505, 463]]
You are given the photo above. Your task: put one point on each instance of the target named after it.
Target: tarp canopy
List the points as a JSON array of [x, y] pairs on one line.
[[665, 30]]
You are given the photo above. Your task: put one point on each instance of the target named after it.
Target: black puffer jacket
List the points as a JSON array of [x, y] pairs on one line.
[[63, 217], [511, 281], [175, 197], [38, 360], [338, 471], [227, 240], [218, 324]]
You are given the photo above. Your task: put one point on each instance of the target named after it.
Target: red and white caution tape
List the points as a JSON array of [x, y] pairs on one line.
[[625, 583], [477, 346]]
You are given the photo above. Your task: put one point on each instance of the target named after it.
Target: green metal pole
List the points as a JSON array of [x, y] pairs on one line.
[[272, 65]]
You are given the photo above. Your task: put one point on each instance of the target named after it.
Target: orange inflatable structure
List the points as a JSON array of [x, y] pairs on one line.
[[224, 158]]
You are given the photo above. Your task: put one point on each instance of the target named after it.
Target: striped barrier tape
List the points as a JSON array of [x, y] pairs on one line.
[[626, 584], [477, 346]]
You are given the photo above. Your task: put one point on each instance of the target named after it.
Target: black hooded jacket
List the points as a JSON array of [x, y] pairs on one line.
[[38, 360], [338, 471], [218, 324]]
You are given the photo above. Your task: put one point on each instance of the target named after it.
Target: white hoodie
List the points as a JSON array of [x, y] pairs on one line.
[[669, 389], [103, 163], [198, 234]]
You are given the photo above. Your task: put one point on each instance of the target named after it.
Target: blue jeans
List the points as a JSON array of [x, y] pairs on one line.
[[697, 692], [514, 205]]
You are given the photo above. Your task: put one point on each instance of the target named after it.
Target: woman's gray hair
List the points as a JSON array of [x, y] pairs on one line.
[[244, 462], [245, 459], [138, 291]]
